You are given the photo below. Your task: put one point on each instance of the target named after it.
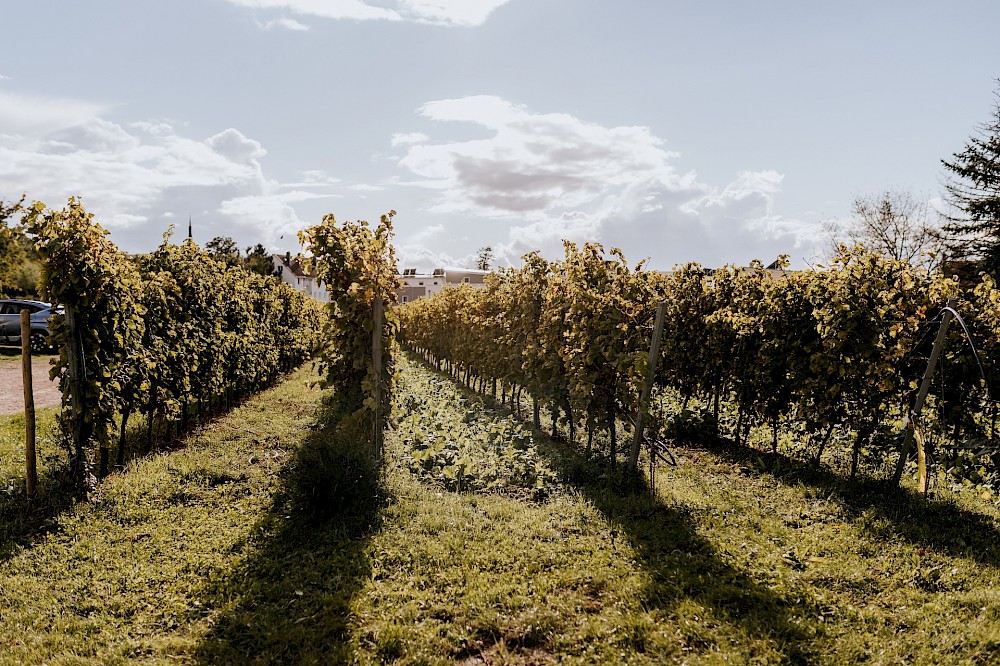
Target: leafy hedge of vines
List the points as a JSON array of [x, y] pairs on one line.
[[841, 348], [160, 333], [357, 265]]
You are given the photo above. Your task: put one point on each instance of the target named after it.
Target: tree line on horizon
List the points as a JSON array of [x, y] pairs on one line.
[[20, 264]]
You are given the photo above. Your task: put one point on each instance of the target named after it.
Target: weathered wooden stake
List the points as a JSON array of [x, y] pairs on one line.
[[30, 464], [78, 375], [647, 390], [377, 319], [925, 386], [918, 436]]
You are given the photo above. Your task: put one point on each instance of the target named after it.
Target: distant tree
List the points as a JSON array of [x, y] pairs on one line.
[[258, 260], [485, 258], [224, 249], [27, 277], [28, 245], [7, 210], [897, 226], [11, 248], [973, 192]]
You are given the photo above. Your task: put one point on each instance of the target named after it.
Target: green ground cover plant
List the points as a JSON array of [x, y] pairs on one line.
[[150, 569], [742, 556], [268, 537], [19, 518], [456, 440]]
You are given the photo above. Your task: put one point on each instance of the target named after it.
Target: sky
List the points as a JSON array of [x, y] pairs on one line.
[[716, 132]]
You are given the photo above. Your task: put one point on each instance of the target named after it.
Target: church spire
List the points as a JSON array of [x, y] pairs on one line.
[[189, 227]]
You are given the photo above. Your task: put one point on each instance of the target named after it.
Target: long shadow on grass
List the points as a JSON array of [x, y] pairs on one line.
[[902, 513], [681, 564], [288, 602], [23, 521]]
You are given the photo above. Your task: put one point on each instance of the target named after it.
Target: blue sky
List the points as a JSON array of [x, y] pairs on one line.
[[715, 132]]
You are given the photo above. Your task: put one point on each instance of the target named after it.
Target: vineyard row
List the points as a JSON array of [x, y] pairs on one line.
[[841, 348], [159, 335]]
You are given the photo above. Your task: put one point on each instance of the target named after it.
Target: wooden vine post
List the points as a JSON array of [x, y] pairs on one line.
[[918, 437], [30, 459], [647, 389], [378, 316], [912, 420], [77, 377]]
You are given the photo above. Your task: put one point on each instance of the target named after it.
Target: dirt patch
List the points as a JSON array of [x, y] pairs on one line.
[[46, 391]]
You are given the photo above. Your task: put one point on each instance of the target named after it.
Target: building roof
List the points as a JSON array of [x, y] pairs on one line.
[[294, 264]]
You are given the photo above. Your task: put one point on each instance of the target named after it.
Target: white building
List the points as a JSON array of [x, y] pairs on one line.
[[413, 285], [291, 270], [418, 285]]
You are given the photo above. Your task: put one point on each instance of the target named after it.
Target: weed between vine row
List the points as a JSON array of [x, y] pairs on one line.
[[741, 557], [266, 538], [453, 439]]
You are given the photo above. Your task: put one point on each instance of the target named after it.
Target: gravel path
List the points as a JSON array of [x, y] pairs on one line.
[[12, 392]]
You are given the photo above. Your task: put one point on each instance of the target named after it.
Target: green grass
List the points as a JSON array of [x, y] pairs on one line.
[[741, 557], [267, 538], [21, 520], [151, 567], [10, 354]]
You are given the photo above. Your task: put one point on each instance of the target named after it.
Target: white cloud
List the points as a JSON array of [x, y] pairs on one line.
[[535, 165], [333, 9], [460, 13], [95, 136], [426, 259], [365, 187], [233, 145], [136, 177], [312, 178], [272, 212], [317, 176], [546, 167], [284, 23], [156, 128], [21, 114], [549, 177], [125, 220], [450, 12], [425, 234], [409, 138]]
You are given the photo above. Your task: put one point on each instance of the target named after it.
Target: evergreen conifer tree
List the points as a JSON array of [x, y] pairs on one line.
[[973, 191]]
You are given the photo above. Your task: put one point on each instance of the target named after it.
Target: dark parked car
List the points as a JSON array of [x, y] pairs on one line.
[[10, 322]]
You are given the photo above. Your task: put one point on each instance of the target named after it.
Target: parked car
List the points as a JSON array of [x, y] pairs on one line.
[[10, 322]]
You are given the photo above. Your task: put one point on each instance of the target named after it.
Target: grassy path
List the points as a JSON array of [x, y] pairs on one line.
[[150, 570], [264, 541], [741, 557], [578, 575]]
